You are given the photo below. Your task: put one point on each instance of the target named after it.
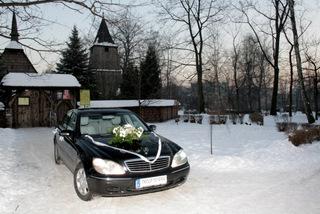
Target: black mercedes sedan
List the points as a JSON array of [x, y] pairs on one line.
[[83, 142]]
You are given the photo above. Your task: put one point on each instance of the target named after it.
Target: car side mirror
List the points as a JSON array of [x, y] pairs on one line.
[[152, 127], [66, 133]]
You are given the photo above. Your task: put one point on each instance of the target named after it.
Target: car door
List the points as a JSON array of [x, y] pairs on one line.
[[60, 140], [68, 144]]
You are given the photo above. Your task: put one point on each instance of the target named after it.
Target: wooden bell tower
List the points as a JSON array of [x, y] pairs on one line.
[[105, 62]]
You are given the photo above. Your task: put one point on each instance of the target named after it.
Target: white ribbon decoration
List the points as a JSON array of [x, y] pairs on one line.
[[133, 153]]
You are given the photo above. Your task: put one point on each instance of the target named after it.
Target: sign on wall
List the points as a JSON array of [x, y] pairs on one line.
[[85, 98], [23, 101]]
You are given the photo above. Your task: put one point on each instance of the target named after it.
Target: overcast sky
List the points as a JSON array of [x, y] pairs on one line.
[[66, 18]]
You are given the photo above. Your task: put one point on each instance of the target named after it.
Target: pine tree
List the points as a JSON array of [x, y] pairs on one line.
[[129, 85], [75, 61], [150, 75]]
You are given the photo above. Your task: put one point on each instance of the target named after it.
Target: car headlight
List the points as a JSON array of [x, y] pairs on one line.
[[107, 167], [179, 159]]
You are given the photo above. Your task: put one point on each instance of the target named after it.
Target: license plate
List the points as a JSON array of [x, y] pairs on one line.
[[152, 181]]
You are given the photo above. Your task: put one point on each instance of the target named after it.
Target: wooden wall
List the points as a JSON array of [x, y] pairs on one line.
[[105, 62], [156, 114], [102, 57], [44, 109], [108, 83]]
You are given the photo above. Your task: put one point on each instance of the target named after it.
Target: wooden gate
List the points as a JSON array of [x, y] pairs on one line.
[[34, 112], [24, 112]]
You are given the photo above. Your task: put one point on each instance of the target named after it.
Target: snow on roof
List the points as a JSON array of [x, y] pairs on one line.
[[106, 44], [39, 80], [14, 45], [131, 103]]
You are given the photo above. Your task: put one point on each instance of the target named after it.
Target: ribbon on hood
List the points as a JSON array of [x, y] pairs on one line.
[[133, 153]]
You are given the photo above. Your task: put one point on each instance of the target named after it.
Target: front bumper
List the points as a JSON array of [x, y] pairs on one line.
[[124, 186]]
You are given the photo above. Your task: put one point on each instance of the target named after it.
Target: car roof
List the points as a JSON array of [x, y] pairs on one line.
[[101, 110]]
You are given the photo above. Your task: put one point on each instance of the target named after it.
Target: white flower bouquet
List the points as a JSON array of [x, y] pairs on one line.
[[126, 134]]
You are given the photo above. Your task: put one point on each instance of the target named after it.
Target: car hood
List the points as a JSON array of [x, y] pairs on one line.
[[148, 148]]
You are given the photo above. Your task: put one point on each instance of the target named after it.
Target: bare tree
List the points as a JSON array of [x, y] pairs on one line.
[[129, 35], [249, 67], [235, 66], [252, 67], [291, 79], [214, 66], [311, 58], [169, 66], [195, 16], [276, 22], [168, 73], [250, 74], [33, 19], [306, 101], [263, 71], [291, 57]]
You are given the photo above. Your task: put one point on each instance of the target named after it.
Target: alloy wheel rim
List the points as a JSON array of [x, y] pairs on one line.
[[81, 181]]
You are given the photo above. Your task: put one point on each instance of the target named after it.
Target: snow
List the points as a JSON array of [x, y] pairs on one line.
[[39, 80], [131, 103], [14, 45], [2, 106], [106, 44], [108, 70], [253, 169], [298, 117]]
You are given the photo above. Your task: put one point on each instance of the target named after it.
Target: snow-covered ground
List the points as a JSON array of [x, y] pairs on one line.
[[253, 169]]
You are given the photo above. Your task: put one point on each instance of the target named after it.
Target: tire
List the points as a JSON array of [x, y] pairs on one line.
[[57, 158], [80, 183]]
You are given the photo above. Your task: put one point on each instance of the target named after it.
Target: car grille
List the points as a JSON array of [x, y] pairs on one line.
[[138, 165]]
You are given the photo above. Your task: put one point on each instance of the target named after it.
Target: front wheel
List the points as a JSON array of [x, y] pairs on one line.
[[80, 183], [57, 158]]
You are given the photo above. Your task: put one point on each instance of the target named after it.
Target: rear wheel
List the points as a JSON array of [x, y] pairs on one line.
[[57, 158], [80, 183]]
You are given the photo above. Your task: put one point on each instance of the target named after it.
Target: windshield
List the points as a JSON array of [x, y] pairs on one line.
[[103, 123]]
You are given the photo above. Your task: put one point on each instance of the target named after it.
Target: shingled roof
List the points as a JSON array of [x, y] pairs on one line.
[[13, 56], [103, 35], [14, 28]]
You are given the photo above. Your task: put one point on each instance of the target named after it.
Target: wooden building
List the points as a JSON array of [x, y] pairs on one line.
[[105, 62], [34, 100], [31, 99], [153, 110], [13, 58]]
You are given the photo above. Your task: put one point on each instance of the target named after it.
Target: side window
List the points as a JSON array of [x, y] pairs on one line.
[[71, 125], [66, 119]]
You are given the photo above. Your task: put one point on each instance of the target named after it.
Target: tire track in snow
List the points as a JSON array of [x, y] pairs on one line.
[[7, 163]]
